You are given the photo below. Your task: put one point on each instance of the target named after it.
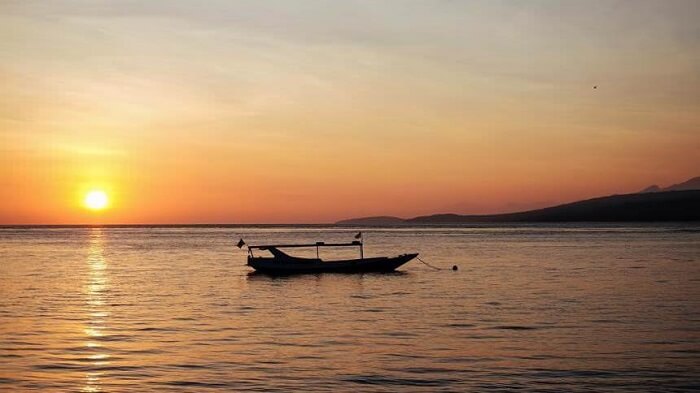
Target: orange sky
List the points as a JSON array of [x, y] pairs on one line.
[[278, 112]]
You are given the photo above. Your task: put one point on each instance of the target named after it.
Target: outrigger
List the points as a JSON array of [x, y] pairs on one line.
[[282, 263]]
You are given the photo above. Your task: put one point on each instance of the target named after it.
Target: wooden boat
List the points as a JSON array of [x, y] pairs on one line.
[[281, 263]]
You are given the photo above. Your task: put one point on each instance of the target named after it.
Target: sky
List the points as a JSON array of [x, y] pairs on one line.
[[316, 111]]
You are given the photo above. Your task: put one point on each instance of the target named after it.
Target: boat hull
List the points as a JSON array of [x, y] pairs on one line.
[[287, 266]]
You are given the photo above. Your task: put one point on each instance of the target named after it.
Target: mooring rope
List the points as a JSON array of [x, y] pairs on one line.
[[431, 266]]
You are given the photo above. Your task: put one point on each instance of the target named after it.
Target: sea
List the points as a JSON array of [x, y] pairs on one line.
[[585, 307]]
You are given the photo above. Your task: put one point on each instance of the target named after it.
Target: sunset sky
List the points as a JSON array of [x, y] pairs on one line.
[[315, 111]]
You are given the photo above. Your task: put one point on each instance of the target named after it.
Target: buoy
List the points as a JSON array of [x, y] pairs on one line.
[[455, 268]]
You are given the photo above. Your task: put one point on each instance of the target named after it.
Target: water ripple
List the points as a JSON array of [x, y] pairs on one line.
[[534, 308]]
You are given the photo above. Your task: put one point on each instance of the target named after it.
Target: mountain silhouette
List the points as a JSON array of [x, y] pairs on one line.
[[375, 221], [679, 202], [653, 188], [692, 184]]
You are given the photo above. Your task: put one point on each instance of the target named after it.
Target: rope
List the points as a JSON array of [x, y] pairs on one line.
[[429, 265]]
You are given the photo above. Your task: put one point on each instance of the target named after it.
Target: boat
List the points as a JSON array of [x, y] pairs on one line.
[[281, 263]]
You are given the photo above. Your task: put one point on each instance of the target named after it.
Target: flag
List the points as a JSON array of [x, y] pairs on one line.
[[240, 244], [359, 235]]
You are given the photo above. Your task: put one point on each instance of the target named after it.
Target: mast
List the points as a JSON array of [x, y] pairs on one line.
[[362, 247], [361, 243]]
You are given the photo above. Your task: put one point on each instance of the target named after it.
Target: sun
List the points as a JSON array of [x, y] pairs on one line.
[[96, 200]]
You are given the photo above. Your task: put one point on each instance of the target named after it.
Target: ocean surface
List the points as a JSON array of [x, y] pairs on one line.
[[531, 308]]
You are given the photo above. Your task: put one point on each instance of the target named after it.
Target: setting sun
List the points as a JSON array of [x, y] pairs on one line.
[[96, 200]]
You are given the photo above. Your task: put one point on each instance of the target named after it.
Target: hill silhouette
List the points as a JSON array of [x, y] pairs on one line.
[[374, 220], [692, 184], [638, 207]]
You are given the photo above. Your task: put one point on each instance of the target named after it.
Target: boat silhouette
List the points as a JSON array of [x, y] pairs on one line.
[[281, 263]]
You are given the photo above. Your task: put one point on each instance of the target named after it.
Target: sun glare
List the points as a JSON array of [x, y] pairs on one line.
[[96, 200]]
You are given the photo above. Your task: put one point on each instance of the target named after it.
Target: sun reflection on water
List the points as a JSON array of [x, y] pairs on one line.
[[96, 288]]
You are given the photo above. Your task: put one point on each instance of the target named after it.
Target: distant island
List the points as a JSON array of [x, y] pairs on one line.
[[680, 202], [692, 184]]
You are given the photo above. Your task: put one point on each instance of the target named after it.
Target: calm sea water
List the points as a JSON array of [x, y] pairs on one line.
[[587, 308]]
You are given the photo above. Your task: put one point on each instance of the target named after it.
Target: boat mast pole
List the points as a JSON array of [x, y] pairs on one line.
[[362, 247]]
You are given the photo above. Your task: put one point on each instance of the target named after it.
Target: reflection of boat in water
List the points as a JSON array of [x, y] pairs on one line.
[[281, 263]]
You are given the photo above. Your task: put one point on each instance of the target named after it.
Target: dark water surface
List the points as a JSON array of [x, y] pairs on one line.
[[586, 308]]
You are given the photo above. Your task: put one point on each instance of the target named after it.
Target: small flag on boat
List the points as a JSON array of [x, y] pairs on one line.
[[240, 244], [359, 235]]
